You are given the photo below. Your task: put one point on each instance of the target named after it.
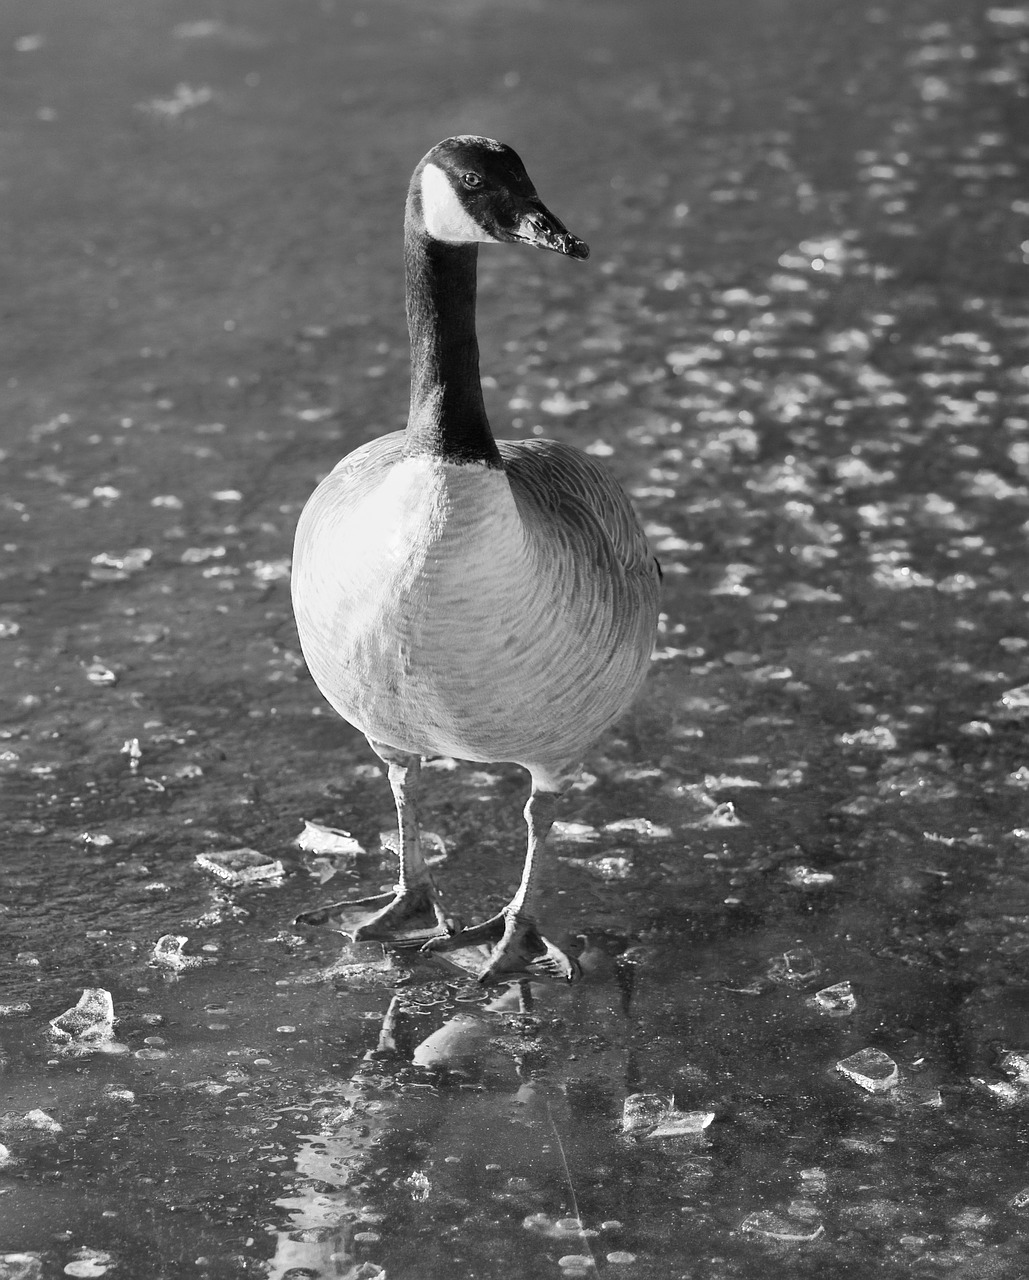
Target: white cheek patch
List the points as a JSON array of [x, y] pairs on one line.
[[445, 216]]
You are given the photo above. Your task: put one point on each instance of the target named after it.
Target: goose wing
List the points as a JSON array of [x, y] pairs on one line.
[[581, 499]]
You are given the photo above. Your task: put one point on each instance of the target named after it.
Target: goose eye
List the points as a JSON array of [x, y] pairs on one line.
[[471, 180]]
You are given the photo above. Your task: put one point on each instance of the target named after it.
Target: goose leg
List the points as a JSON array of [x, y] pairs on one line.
[[519, 949], [412, 914]]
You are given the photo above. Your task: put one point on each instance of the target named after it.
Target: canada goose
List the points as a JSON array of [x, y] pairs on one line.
[[459, 596]]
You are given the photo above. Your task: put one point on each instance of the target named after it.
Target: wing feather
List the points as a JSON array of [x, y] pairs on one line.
[[583, 497]]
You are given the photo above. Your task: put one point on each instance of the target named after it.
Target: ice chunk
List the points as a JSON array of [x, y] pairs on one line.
[[168, 954], [609, 868], [722, 815], [98, 839], [34, 1119], [269, 570], [651, 1116], [132, 749], [197, 555], [433, 847], [1001, 1090], [837, 1001], [776, 1226], [11, 1010], [871, 1069], [97, 672], [715, 782], [640, 827], [683, 1124], [89, 1262], [879, 738], [327, 840], [21, 1266], [795, 966], [6, 1160], [1015, 1063], [641, 1112], [91, 1022], [556, 1228], [116, 568], [574, 832], [239, 867], [814, 1180], [808, 878], [1016, 699]]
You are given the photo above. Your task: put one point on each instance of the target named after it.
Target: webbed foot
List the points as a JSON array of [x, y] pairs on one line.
[[408, 917], [520, 950]]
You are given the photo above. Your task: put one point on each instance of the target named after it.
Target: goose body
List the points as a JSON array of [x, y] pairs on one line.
[[474, 612], [459, 596]]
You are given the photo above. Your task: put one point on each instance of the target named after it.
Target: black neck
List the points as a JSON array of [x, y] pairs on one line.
[[447, 418]]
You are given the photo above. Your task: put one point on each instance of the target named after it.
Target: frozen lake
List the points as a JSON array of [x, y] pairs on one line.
[[802, 344]]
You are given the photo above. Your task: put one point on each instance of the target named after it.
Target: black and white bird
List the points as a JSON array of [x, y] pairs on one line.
[[461, 596]]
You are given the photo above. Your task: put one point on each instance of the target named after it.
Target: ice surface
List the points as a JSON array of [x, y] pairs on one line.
[[871, 1069], [917, 1095], [239, 867], [91, 1022]]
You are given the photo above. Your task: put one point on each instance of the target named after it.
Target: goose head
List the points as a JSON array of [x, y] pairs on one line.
[[470, 190]]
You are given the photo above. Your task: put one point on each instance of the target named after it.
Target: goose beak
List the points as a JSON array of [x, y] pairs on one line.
[[539, 227]]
